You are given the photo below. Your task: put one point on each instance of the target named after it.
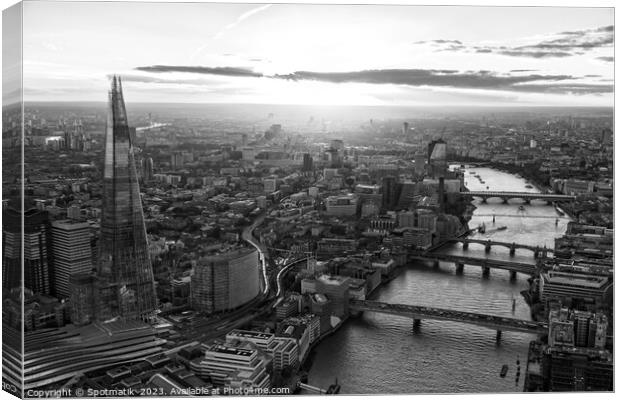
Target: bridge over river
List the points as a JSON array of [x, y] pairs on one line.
[[537, 250], [486, 263], [525, 196], [417, 313]]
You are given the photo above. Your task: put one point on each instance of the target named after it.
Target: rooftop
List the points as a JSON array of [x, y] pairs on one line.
[[333, 279], [231, 350], [69, 224], [250, 334], [566, 278]]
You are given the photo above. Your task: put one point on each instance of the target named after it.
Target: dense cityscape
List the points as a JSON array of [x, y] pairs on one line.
[[264, 242], [260, 222]]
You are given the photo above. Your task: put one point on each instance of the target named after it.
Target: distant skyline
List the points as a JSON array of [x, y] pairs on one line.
[[319, 54]]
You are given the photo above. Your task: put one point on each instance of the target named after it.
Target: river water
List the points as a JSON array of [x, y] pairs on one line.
[[377, 354]]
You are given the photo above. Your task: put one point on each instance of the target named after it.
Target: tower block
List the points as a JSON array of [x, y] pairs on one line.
[[125, 286]]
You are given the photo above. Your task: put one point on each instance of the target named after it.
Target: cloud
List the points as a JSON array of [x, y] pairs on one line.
[[152, 79], [232, 25], [439, 41], [606, 59], [485, 80], [443, 44], [559, 45], [575, 88], [225, 71], [424, 77], [531, 53], [609, 28]]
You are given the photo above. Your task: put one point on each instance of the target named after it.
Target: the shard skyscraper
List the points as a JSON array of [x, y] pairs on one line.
[[124, 284]]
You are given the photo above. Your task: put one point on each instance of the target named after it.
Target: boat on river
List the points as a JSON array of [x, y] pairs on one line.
[[504, 371]]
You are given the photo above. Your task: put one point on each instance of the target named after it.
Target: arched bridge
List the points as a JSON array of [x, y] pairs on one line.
[[526, 196], [538, 251], [418, 313], [485, 263]]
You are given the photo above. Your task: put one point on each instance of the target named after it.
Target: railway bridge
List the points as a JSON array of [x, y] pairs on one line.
[[486, 263], [525, 196], [417, 313]]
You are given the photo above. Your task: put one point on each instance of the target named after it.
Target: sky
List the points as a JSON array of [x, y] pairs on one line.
[[319, 54], [11, 55]]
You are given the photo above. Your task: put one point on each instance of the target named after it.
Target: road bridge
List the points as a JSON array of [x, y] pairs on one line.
[[517, 215], [525, 196], [537, 250], [417, 313], [486, 263]]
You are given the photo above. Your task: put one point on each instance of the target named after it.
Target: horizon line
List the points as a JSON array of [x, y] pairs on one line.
[[320, 105]]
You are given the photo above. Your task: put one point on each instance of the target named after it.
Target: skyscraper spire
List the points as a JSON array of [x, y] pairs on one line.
[[124, 271]]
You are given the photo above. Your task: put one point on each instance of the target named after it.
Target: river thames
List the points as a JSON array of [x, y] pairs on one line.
[[378, 354]]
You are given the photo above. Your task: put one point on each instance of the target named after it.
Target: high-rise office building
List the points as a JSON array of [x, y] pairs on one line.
[[441, 195], [308, 162], [147, 170], [607, 137], [390, 192], [437, 153], [74, 137], [125, 285], [225, 281], [82, 298], [11, 249], [176, 160], [582, 326], [335, 153], [37, 272], [580, 369], [337, 144], [72, 253]]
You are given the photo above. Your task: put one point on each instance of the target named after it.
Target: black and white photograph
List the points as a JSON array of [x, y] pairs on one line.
[[289, 199]]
